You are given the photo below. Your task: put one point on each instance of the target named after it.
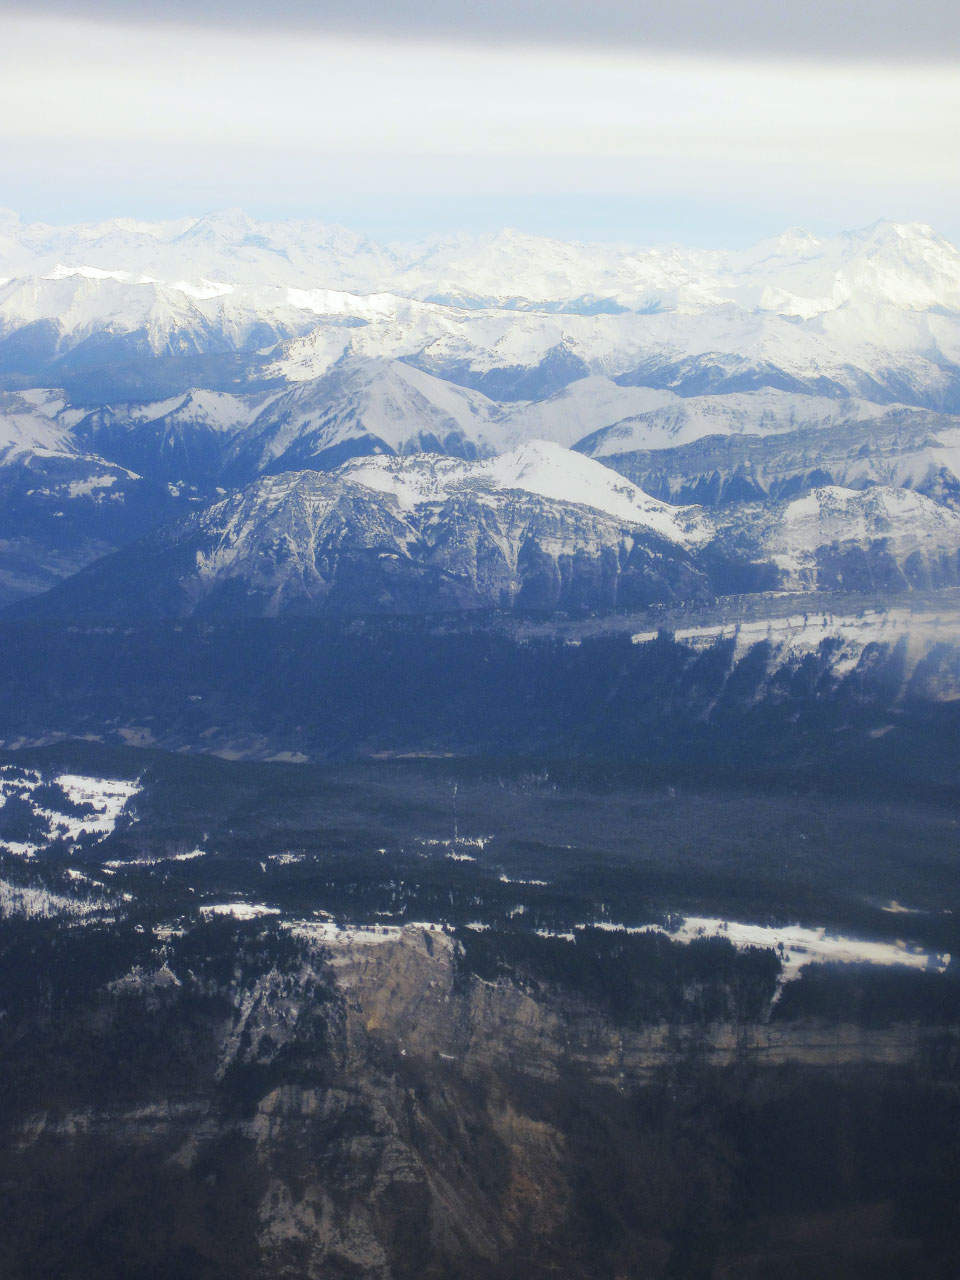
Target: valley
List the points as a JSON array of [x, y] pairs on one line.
[[384, 1017]]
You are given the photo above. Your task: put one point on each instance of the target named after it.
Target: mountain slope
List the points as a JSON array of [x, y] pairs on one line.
[[834, 539], [204, 354], [905, 449], [367, 406], [539, 529]]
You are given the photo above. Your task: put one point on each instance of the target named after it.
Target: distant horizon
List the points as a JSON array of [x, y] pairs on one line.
[[639, 125], [454, 231]]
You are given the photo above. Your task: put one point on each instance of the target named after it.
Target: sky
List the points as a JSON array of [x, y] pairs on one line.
[[699, 122]]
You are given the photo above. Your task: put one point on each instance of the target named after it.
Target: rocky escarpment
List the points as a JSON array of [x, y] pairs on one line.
[[539, 529], [367, 1107], [406, 991], [803, 680]]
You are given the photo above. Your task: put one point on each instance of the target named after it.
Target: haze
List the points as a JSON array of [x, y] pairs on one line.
[[633, 125]]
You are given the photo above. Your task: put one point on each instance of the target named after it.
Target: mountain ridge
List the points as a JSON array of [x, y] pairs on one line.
[[155, 370]]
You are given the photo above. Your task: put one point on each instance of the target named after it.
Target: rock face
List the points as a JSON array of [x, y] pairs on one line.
[[419, 535], [538, 529], [373, 1110]]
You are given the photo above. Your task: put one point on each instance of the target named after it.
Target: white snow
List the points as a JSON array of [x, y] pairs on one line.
[[342, 937], [63, 272], [793, 534], [796, 945], [880, 300], [239, 910], [370, 396], [92, 485], [203, 289], [217, 411], [118, 864], [906, 264], [538, 467], [34, 421], [554, 472], [921, 628], [107, 796], [38, 903], [802, 945], [635, 418]]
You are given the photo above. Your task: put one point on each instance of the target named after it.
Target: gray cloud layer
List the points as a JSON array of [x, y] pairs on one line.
[[827, 29]]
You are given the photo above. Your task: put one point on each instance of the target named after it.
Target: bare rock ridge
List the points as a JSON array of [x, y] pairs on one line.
[[537, 529]]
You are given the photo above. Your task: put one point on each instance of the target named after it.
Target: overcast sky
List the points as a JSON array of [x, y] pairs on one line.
[[833, 29], [702, 122]]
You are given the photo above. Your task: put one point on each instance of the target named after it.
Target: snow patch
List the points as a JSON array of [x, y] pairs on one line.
[[798, 945], [104, 798], [800, 633], [93, 484], [35, 903], [239, 910]]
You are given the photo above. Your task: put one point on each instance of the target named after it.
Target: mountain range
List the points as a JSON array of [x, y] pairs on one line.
[[195, 394]]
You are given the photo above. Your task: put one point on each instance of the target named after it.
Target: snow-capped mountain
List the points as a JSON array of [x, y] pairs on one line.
[[64, 500], [539, 468], [872, 313], [183, 440], [838, 539], [538, 528], [147, 369], [225, 247], [907, 265], [35, 421], [795, 273], [910, 449], [602, 419], [882, 354], [77, 319], [368, 406]]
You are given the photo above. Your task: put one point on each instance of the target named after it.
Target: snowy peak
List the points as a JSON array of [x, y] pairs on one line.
[[401, 535], [880, 539], [85, 301], [832, 514], [794, 245], [35, 421], [887, 264], [368, 406], [900, 264], [537, 467], [553, 472], [215, 410]]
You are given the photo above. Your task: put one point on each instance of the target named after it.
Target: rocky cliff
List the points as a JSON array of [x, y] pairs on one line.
[[367, 1107]]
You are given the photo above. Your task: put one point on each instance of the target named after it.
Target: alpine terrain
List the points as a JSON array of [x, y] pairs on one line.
[[479, 755]]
